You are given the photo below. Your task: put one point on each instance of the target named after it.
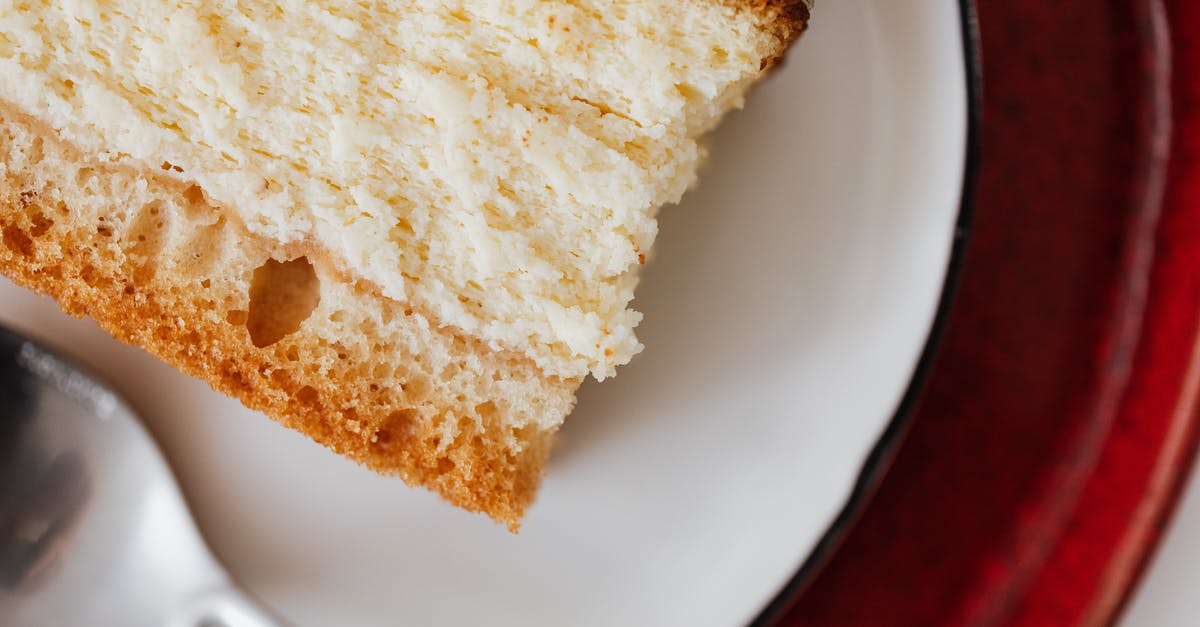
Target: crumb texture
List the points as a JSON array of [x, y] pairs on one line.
[[497, 165], [407, 229], [153, 263]]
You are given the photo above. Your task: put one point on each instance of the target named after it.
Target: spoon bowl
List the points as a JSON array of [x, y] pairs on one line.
[[93, 527]]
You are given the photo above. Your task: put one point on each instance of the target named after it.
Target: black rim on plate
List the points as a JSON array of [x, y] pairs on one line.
[[880, 458]]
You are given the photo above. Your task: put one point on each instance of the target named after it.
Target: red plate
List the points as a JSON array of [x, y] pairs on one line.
[[1059, 419]]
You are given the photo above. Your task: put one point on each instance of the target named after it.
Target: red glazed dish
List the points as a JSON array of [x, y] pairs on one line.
[[1031, 478]]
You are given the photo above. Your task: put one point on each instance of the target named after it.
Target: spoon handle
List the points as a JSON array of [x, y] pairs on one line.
[[224, 607]]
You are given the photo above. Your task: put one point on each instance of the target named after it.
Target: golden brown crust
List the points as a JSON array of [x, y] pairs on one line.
[[172, 277], [788, 17]]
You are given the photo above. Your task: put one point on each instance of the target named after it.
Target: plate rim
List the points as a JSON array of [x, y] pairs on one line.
[[888, 443], [1082, 272]]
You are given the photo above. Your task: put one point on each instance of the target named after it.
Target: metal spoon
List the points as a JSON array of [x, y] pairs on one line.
[[93, 529]]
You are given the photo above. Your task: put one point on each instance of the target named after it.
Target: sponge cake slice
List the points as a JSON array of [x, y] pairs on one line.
[[407, 229]]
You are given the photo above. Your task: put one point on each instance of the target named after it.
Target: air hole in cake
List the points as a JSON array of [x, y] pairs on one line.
[[39, 225], [194, 194], [308, 395], [84, 176], [195, 203], [486, 410], [17, 241], [26, 198], [282, 296], [396, 430], [236, 317]]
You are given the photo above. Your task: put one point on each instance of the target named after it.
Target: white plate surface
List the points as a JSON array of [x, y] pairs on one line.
[[789, 299]]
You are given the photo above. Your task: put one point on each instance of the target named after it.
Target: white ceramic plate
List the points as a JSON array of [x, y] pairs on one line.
[[790, 297]]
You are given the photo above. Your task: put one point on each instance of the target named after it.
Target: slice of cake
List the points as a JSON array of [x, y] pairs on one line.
[[407, 229]]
